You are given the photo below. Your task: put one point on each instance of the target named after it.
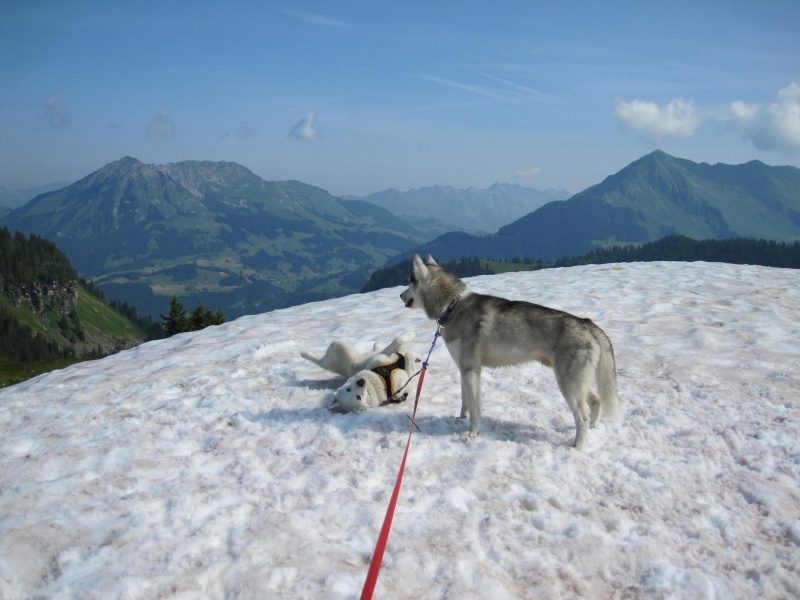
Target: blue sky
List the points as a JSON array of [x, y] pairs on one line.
[[357, 96]]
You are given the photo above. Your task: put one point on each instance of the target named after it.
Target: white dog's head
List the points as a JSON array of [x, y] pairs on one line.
[[352, 396]]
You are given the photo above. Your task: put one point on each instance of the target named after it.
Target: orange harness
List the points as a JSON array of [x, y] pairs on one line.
[[385, 373]]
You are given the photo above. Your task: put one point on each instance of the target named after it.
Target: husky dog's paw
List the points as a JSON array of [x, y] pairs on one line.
[[468, 437]]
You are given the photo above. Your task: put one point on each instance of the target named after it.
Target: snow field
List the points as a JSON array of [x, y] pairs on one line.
[[207, 465]]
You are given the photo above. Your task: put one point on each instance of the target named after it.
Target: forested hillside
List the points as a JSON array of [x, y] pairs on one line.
[[45, 311], [35, 274]]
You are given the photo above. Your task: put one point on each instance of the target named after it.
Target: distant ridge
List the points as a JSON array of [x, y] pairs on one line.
[[471, 209], [655, 196], [14, 198]]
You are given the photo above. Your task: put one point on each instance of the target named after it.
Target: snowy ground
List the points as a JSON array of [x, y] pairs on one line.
[[207, 466]]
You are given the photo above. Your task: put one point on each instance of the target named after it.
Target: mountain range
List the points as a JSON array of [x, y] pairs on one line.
[[217, 234], [655, 196], [202, 228], [471, 209]]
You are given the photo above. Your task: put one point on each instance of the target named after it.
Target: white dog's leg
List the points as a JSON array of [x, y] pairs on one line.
[[395, 344], [471, 397], [317, 361], [340, 357]]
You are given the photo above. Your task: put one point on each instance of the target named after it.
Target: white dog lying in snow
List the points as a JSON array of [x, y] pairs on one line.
[[374, 379]]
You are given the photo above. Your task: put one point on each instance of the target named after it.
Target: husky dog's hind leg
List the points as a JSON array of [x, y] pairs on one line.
[[577, 371], [573, 381], [471, 398]]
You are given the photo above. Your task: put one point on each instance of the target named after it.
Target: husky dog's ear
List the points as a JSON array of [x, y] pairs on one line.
[[334, 404], [420, 270], [431, 262]]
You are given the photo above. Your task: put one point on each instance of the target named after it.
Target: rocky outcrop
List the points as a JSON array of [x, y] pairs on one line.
[[59, 297]]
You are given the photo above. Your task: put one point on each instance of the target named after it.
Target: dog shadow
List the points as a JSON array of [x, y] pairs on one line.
[[522, 431], [333, 383], [398, 418]]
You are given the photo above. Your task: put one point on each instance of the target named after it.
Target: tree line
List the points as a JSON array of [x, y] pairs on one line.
[[178, 321], [738, 251], [675, 247], [398, 274], [24, 261]]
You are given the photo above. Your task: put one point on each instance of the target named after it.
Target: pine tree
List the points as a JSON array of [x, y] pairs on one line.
[[179, 322], [176, 322]]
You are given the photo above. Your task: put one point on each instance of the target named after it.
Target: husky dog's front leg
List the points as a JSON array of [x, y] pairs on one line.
[[464, 409], [471, 398]]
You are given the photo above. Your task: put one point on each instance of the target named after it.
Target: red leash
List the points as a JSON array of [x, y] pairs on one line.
[[383, 538]]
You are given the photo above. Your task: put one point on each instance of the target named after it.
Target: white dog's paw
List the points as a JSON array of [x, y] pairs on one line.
[[406, 337]]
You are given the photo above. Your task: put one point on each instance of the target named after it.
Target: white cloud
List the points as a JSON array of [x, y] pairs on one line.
[[245, 131], [530, 172], [304, 128], [59, 116], [161, 126], [658, 123], [773, 127]]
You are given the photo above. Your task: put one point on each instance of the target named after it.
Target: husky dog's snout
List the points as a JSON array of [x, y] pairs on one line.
[[407, 297]]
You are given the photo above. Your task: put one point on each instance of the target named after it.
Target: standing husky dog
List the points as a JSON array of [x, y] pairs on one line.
[[486, 331]]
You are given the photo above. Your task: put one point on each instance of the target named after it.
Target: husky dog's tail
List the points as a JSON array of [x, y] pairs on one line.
[[606, 375]]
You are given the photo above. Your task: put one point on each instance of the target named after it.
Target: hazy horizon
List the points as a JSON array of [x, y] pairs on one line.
[[360, 97]]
